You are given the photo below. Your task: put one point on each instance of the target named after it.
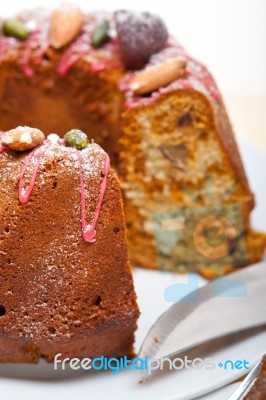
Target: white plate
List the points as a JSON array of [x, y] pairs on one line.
[[42, 382]]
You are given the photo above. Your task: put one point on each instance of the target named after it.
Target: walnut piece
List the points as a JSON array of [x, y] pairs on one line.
[[23, 138]]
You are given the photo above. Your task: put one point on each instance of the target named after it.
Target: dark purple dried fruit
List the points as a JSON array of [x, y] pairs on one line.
[[185, 119], [176, 154], [139, 34]]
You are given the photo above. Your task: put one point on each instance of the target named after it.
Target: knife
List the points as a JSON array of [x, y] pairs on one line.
[[243, 387], [224, 306]]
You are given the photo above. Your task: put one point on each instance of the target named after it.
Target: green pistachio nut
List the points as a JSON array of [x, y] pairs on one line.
[[15, 28], [100, 34], [76, 138]]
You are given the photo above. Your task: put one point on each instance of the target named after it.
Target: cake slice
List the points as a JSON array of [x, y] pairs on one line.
[[181, 165], [65, 279]]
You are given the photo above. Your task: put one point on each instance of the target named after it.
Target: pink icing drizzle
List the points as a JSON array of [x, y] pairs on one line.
[[196, 76], [98, 66], [197, 70], [2, 146], [108, 57], [74, 53], [4, 45], [88, 230], [35, 40], [206, 79], [70, 58], [24, 194]]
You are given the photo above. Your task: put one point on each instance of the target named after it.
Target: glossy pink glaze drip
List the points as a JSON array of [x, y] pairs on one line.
[[2, 146], [99, 66], [74, 53], [111, 58], [81, 47], [4, 45], [196, 74], [88, 230], [35, 41], [38, 42], [108, 57], [24, 194], [203, 75], [183, 84], [207, 81]]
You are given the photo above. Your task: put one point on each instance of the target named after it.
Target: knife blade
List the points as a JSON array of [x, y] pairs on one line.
[[224, 306], [243, 387]]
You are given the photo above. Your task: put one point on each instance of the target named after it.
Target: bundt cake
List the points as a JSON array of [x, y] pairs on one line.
[[65, 281], [156, 111]]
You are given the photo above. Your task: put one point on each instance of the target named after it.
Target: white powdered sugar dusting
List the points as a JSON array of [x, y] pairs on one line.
[[59, 258]]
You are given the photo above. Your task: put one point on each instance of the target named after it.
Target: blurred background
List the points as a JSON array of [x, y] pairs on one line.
[[229, 36]]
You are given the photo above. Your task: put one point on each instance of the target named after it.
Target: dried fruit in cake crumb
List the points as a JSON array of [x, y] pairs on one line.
[[100, 34], [76, 138], [15, 28], [139, 35], [23, 138], [66, 23], [177, 154], [185, 119]]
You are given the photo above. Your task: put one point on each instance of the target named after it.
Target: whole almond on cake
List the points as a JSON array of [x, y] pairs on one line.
[[66, 22], [154, 77]]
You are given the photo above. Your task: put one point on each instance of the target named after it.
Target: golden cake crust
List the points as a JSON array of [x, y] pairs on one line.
[[60, 293]]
